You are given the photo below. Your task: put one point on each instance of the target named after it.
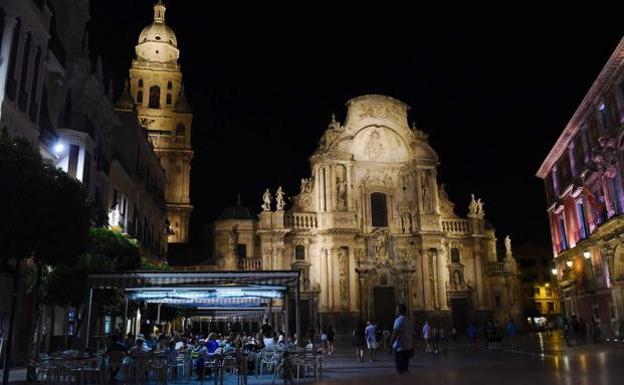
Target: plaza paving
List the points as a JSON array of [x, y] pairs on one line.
[[535, 359]]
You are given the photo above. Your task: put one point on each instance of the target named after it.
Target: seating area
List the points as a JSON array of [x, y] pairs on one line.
[[226, 366]]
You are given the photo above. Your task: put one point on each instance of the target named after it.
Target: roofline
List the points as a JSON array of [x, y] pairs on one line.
[[605, 76]]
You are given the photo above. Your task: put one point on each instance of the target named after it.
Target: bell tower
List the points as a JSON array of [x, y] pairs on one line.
[[158, 94]]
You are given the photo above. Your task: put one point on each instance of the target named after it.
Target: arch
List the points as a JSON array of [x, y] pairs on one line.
[[300, 252], [378, 143], [379, 210], [180, 129], [455, 255], [154, 97]]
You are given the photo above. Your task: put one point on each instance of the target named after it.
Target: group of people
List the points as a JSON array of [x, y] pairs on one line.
[[202, 347], [575, 331]]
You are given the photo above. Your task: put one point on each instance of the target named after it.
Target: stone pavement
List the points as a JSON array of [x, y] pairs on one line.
[[533, 359]]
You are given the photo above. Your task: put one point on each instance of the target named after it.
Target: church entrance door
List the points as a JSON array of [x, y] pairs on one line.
[[385, 306], [461, 311]]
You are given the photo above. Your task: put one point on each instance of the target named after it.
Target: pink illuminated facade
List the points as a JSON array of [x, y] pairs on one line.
[[585, 197]]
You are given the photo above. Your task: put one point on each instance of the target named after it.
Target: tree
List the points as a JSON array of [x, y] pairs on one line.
[[107, 251], [45, 216]]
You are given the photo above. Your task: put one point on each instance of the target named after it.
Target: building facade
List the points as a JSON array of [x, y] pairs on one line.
[[372, 227], [54, 93], [158, 94], [583, 180], [540, 289]]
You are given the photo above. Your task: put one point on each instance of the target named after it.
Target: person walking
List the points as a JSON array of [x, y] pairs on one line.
[[472, 335], [330, 340], [402, 339], [370, 333], [512, 330], [426, 331], [359, 341]]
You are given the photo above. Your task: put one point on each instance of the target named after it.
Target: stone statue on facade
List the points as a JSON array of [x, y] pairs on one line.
[[472, 207], [341, 187], [507, 245], [279, 199], [233, 237], [306, 185], [480, 211], [426, 194], [266, 200]]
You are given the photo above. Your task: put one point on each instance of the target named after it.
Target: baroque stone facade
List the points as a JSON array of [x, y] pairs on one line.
[[371, 227], [158, 94]]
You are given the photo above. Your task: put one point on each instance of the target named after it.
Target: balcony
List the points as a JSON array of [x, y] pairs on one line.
[[166, 140], [460, 226], [301, 221], [249, 264]]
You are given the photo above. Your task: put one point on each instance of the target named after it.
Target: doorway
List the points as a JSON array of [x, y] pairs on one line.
[[384, 306]]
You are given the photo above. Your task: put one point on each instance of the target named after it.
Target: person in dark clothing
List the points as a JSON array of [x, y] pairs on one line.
[[115, 352], [331, 334]]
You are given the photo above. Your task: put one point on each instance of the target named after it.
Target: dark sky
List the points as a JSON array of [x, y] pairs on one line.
[[493, 95]]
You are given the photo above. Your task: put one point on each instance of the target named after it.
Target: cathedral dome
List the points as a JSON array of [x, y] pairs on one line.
[[157, 42], [238, 211]]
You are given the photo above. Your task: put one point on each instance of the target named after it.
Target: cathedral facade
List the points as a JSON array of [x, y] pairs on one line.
[[372, 227], [158, 94]]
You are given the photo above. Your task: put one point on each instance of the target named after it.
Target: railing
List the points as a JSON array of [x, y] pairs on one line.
[[165, 141], [250, 264], [301, 221], [496, 268], [198, 268], [456, 225]]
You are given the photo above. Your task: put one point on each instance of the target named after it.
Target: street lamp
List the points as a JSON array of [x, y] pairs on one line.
[[59, 148], [553, 271], [569, 264], [587, 254]]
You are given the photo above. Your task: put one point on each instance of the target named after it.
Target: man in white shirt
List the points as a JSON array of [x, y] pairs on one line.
[[402, 339]]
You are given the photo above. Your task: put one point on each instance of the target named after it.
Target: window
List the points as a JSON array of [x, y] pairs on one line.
[[551, 307], [241, 250], [168, 99], [11, 81], [538, 307], [603, 117], [86, 174], [549, 291], [618, 194], [454, 255], [180, 129], [72, 167], [497, 300], [580, 214], [379, 212], [35, 82], [140, 83], [562, 233], [536, 290], [140, 97], [300, 252], [21, 100], [169, 85], [154, 98]]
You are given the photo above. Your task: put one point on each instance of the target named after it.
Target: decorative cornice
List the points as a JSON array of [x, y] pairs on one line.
[[606, 76]]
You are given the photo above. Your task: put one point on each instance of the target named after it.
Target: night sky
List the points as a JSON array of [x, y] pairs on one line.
[[493, 96]]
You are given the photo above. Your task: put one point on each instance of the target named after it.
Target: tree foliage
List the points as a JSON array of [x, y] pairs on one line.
[[107, 252]]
